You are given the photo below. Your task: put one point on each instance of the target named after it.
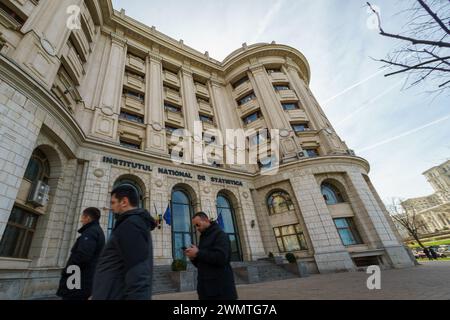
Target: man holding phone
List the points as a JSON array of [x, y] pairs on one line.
[[215, 279]]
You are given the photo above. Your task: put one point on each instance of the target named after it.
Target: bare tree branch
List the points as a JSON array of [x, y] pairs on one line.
[[434, 16]]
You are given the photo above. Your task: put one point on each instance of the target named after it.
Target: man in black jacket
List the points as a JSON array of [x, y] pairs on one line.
[[124, 270], [84, 255], [215, 279]]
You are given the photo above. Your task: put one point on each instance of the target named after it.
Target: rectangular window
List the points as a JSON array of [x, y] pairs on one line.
[[263, 136], [16, 241], [273, 70], [130, 145], [290, 238], [246, 99], [131, 117], [312, 153], [172, 108], [134, 95], [206, 119], [252, 118], [240, 81], [347, 231], [281, 87], [12, 14], [290, 106], [300, 127]]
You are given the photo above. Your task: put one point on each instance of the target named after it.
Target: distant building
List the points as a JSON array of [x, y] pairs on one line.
[[433, 211]]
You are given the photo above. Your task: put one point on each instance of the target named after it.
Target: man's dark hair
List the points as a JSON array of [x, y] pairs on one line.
[[201, 215], [94, 213], [125, 191]]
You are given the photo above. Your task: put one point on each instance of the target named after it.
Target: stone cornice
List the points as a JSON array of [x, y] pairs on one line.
[[149, 36]]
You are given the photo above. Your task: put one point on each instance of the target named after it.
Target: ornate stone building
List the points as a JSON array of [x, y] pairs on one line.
[[85, 109], [433, 211]]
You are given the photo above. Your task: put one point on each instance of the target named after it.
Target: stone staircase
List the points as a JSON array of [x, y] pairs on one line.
[[244, 273], [161, 280]]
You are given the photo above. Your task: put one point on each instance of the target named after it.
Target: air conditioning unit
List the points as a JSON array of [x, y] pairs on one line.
[[38, 196], [351, 152]]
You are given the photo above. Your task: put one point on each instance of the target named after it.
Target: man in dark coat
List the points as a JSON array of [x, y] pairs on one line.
[[215, 279], [84, 254], [124, 270]]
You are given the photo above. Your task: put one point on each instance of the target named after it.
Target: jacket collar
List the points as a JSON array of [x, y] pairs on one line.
[[87, 226], [211, 228]]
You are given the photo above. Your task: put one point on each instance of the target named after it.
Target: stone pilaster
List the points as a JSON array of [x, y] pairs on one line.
[[106, 118], [272, 111], [154, 106]]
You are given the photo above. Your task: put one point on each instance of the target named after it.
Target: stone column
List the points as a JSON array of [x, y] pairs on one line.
[[329, 252], [272, 111], [388, 240], [154, 105], [46, 33], [20, 123], [106, 118]]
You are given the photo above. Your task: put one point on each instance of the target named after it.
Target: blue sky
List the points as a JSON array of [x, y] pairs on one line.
[[400, 132]]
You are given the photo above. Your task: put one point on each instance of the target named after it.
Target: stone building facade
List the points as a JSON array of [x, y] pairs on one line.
[[85, 109]]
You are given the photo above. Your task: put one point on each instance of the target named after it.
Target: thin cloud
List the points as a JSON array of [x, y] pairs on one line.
[[407, 133], [265, 22]]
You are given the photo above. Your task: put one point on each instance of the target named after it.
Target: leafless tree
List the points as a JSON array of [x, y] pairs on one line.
[[424, 52], [409, 220]]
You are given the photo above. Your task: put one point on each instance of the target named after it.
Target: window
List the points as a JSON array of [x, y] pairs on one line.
[[172, 108], [130, 145], [273, 70], [331, 194], [290, 106], [38, 168], [279, 202], [134, 75], [134, 95], [268, 162], [183, 233], [300, 127], [170, 129], [290, 238], [252, 118], [312, 153], [12, 14], [347, 231], [239, 82], [226, 214], [261, 137], [246, 99], [16, 241], [281, 87], [131, 117], [207, 119], [173, 89]]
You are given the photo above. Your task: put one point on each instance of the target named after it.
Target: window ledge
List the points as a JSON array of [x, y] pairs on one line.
[[14, 263]]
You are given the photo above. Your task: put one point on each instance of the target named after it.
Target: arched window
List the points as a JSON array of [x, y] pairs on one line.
[[38, 168], [183, 234], [226, 214], [279, 202], [331, 194]]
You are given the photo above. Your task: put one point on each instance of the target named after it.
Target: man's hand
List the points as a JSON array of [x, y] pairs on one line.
[[191, 252]]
